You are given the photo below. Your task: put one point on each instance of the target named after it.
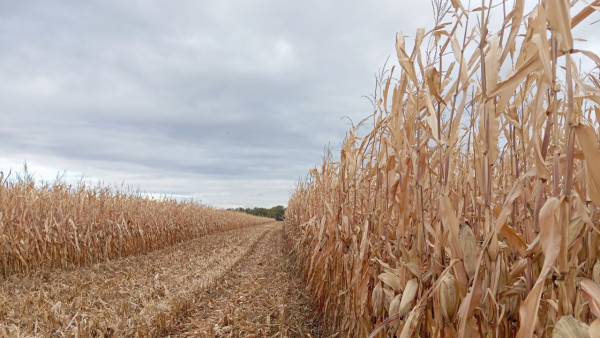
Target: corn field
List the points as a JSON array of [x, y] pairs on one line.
[[471, 207], [57, 225]]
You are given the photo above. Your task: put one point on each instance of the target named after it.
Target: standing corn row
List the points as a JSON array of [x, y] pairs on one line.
[[471, 207], [58, 225]]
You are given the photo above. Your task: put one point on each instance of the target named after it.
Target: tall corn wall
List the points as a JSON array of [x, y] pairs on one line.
[[57, 225], [470, 206]]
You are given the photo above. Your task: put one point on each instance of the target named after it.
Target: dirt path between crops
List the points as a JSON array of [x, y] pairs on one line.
[[234, 283], [261, 296]]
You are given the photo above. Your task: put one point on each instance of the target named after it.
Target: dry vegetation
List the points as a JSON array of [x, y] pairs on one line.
[[145, 295], [472, 205], [57, 225], [262, 296]]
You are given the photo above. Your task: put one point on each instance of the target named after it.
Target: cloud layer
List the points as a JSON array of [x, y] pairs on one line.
[[229, 102]]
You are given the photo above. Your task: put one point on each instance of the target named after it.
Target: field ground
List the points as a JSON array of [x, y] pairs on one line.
[[233, 283]]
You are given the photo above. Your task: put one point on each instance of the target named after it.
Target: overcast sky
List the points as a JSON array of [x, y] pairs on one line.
[[229, 102]]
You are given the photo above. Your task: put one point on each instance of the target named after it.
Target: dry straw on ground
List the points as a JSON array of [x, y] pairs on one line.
[[57, 225], [471, 206], [145, 295]]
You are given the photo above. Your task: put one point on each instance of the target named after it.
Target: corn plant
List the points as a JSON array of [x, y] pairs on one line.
[[470, 208]]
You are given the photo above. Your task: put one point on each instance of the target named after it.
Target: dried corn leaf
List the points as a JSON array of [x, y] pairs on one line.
[[550, 236], [403, 58], [591, 292], [594, 329], [451, 222], [516, 16], [569, 327], [559, 19], [508, 86], [588, 142]]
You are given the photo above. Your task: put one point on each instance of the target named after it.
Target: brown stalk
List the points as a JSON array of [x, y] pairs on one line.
[[514, 192]]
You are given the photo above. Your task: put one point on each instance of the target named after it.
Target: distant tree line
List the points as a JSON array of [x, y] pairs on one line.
[[276, 212]]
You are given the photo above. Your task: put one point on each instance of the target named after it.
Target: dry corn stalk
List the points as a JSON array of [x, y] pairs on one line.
[[55, 225], [496, 130]]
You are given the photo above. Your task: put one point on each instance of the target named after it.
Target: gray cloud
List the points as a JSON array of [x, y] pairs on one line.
[[226, 101]]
